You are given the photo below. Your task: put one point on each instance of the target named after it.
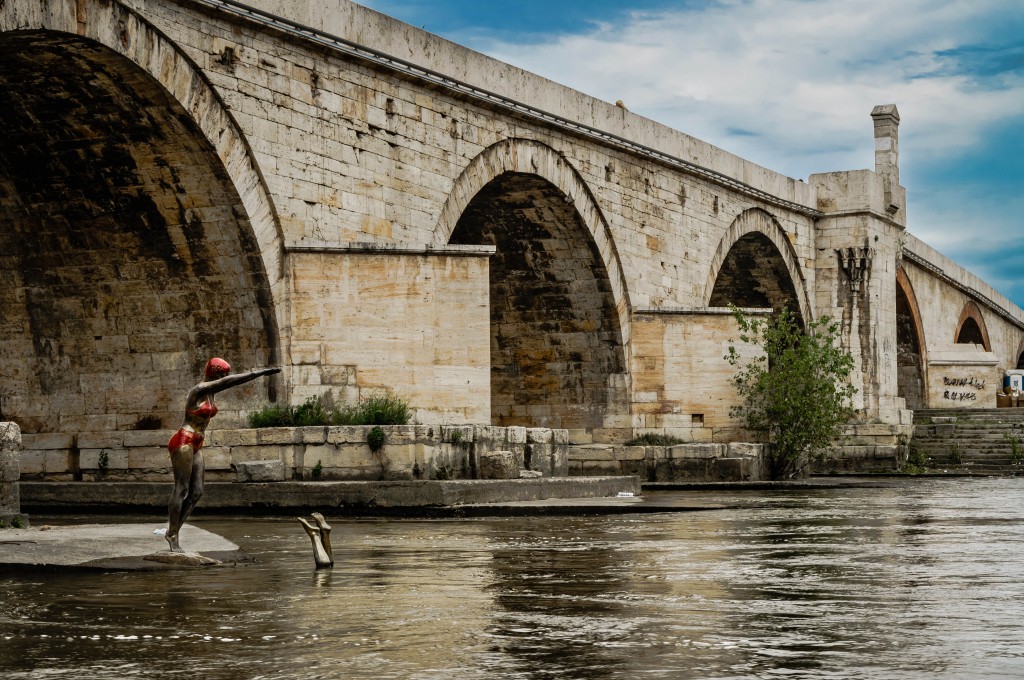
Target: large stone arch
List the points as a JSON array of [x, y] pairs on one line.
[[757, 236], [557, 301], [911, 347], [138, 237], [971, 328]]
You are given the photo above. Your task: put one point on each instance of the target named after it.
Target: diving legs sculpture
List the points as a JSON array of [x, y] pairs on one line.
[[320, 536]]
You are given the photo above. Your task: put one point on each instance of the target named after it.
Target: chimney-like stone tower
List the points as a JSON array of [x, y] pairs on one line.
[[887, 152]]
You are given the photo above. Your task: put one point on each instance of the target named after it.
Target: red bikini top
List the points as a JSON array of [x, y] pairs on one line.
[[205, 409]]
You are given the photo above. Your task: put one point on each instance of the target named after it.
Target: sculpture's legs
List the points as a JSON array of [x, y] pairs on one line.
[[181, 464], [195, 486], [320, 556], [325, 534]]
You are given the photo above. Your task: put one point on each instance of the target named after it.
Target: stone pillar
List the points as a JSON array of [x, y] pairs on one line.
[[10, 474], [858, 239], [887, 152]]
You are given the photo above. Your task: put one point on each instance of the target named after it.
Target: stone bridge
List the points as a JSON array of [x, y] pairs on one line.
[[373, 207]]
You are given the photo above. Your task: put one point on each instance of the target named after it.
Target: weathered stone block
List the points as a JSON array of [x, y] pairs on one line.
[[101, 440], [346, 434], [602, 452], [631, 453], [498, 465], [539, 435], [10, 499], [54, 440], [279, 435], [154, 438], [312, 434], [33, 462], [260, 471], [516, 435], [744, 450], [696, 451], [598, 468], [215, 457], [10, 466], [224, 437]]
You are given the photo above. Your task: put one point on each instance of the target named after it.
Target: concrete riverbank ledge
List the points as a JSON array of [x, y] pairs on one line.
[[122, 547], [405, 497]]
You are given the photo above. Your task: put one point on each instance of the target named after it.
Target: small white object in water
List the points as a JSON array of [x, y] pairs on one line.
[[162, 531], [626, 494]]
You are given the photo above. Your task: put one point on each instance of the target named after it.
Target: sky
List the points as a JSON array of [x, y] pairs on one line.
[[790, 84]]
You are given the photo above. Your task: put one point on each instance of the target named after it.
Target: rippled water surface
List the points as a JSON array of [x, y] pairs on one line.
[[920, 580]]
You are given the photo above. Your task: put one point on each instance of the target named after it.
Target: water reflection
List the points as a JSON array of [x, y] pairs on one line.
[[916, 581]]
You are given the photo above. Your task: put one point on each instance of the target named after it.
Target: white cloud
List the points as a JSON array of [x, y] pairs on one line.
[[790, 83]]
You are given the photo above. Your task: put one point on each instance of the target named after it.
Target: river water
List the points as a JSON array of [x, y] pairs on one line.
[[921, 579]]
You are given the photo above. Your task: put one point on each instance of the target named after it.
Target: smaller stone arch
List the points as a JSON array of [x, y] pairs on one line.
[[756, 224], [911, 354], [1020, 355], [971, 328]]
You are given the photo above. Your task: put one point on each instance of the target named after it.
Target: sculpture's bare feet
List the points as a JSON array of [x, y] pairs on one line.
[[310, 529], [320, 555], [172, 541], [321, 522], [325, 533]]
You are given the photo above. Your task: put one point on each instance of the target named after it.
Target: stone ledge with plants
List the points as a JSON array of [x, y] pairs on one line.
[[311, 442]]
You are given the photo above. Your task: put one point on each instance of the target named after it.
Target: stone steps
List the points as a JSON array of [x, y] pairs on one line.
[[978, 440]]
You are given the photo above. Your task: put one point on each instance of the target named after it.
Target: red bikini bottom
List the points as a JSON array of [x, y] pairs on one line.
[[185, 437]]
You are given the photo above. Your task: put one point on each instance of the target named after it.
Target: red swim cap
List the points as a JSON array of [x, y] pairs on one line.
[[216, 368]]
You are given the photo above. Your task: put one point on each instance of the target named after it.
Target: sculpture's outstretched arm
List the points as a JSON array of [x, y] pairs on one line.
[[221, 384]]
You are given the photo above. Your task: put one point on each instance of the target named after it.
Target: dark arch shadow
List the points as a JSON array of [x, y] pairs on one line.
[[971, 328], [555, 336], [754, 274], [127, 257], [911, 360]]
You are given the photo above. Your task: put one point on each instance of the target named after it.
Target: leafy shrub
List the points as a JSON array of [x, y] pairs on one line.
[[797, 391], [380, 410], [652, 439], [312, 412], [271, 416], [375, 439]]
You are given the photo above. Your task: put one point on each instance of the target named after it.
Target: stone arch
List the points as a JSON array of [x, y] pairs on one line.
[[971, 328], [557, 342], [138, 237], [772, 277], [535, 158], [911, 348], [1020, 355]]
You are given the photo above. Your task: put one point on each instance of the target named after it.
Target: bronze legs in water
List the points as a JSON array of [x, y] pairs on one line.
[[320, 535]]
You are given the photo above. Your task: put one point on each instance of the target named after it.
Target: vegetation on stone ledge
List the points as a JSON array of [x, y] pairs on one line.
[[653, 439], [385, 409]]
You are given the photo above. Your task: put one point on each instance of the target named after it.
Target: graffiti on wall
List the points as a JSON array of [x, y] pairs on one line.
[[966, 386]]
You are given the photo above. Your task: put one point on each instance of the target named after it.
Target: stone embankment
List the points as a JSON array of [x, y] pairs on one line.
[[969, 440], [295, 453]]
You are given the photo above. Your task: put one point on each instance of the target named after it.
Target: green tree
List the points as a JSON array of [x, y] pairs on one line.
[[796, 392]]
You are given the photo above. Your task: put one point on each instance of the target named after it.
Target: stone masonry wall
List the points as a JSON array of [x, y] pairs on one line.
[[682, 381], [409, 452], [368, 320]]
